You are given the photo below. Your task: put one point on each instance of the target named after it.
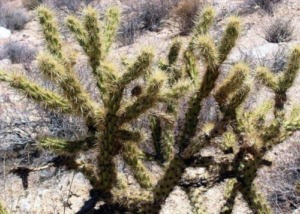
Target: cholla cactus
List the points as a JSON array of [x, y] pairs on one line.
[[244, 137], [202, 47], [108, 121]]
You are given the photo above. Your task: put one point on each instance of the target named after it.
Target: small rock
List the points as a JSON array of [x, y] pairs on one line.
[[4, 33]]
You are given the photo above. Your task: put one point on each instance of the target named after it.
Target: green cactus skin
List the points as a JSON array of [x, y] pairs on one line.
[[156, 133], [50, 30], [165, 185], [230, 194], [131, 155], [208, 50], [197, 200], [46, 98]]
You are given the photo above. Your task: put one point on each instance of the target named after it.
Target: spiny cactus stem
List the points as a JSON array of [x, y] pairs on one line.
[[280, 100], [191, 120], [166, 184], [230, 195]]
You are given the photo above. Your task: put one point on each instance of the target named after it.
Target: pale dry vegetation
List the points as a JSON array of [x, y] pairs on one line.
[[12, 18]]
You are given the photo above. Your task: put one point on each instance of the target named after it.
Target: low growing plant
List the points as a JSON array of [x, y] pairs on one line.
[[13, 18]]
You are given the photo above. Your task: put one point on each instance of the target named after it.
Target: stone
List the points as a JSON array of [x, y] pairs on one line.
[[4, 33]]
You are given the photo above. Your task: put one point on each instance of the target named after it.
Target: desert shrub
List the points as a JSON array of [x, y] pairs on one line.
[[278, 61], [186, 13], [265, 5], [17, 52], [129, 31], [72, 5], [31, 4], [151, 14], [280, 30], [13, 18], [282, 183], [141, 16]]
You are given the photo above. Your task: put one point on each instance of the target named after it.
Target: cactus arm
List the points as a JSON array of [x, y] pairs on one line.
[[110, 28], [208, 50], [204, 22], [106, 167], [67, 148], [237, 76], [196, 198], [131, 154], [50, 30], [177, 91], [195, 146], [146, 101], [230, 195], [213, 57], [236, 100], [107, 78], [293, 122], [132, 199], [255, 120], [267, 78], [167, 143], [190, 67], [256, 200], [291, 71], [174, 52], [48, 99], [229, 38], [77, 28], [92, 26], [80, 33], [156, 134], [229, 142], [72, 88], [128, 135], [138, 68], [201, 28], [165, 185]]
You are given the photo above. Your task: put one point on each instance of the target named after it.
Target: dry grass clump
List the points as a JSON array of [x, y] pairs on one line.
[[280, 30], [129, 31], [31, 4], [282, 182], [71, 5], [153, 13], [186, 13], [143, 15], [13, 18], [265, 5], [17, 52]]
